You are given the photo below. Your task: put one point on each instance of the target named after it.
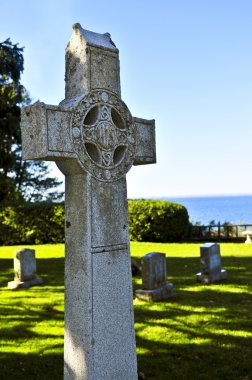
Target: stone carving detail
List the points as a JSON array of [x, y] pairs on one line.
[[103, 135]]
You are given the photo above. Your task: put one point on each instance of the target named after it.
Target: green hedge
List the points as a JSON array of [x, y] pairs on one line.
[[157, 221], [32, 223], [43, 223]]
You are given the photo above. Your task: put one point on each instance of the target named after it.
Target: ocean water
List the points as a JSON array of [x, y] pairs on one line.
[[234, 209]]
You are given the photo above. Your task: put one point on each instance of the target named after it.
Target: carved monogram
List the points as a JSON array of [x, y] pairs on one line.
[[103, 135]]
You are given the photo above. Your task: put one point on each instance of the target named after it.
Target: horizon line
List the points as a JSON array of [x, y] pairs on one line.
[[192, 196]]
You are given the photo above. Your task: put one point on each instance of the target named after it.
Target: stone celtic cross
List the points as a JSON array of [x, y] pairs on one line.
[[94, 141]]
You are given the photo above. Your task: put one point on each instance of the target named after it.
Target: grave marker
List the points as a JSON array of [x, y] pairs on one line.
[[24, 270], [94, 140], [155, 287], [210, 262]]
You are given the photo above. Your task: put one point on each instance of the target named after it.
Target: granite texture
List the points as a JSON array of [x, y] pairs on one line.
[[154, 295], [153, 270], [94, 140], [24, 270], [210, 264], [210, 278], [14, 285], [154, 285]]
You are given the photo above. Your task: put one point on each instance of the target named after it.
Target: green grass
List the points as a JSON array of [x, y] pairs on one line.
[[203, 332]]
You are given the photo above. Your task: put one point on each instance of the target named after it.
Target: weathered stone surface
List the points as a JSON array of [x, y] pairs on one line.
[[24, 264], [94, 140], [154, 286], [153, 270], [86, 54], [13, 285], [159, 294], [210, 262], [24, 270], [112, 299]]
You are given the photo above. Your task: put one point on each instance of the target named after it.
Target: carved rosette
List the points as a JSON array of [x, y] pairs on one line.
[[103, 136]]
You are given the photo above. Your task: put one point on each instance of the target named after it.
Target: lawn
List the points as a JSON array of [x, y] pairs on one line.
[[203, 332]]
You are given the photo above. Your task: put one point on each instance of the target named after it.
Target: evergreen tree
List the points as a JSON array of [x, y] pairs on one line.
[[19, 180]]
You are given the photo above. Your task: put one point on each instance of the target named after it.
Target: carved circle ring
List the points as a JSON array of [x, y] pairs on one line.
[[103, 135]]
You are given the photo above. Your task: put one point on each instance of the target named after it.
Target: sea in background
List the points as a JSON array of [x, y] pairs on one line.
[[234, 209]]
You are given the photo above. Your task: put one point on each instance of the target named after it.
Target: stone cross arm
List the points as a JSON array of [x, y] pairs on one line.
[[46, 134]]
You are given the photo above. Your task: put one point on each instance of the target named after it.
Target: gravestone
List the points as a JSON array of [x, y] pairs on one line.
[[210, 263], [94, 140], [24, 270], [154, 285]]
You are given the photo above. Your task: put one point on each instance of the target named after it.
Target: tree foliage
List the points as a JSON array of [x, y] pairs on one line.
[[19, 180], [32, 223]]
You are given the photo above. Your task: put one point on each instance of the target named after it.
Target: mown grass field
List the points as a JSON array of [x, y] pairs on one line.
[[203, 332]]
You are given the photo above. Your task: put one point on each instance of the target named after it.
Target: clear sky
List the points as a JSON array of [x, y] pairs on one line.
[[185, 63]]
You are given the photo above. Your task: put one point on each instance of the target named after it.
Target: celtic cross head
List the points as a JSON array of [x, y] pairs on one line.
[[103, 135]]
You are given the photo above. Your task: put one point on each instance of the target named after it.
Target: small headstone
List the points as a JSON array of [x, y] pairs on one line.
[[210, 261], [24, 270], [155, 287]]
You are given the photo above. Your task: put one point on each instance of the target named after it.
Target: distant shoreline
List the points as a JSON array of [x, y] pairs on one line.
[[236, 209]]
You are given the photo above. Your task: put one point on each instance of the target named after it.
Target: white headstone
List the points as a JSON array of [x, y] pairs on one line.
[[94, 140], [24, 270], [210, 263], [154, 285]]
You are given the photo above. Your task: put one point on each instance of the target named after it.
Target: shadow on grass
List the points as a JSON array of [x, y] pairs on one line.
[[211, 350], [21, 312], [34, 367], [197, 362], [203, 332]]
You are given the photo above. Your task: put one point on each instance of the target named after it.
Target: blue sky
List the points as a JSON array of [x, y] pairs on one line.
[[187, 64]]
